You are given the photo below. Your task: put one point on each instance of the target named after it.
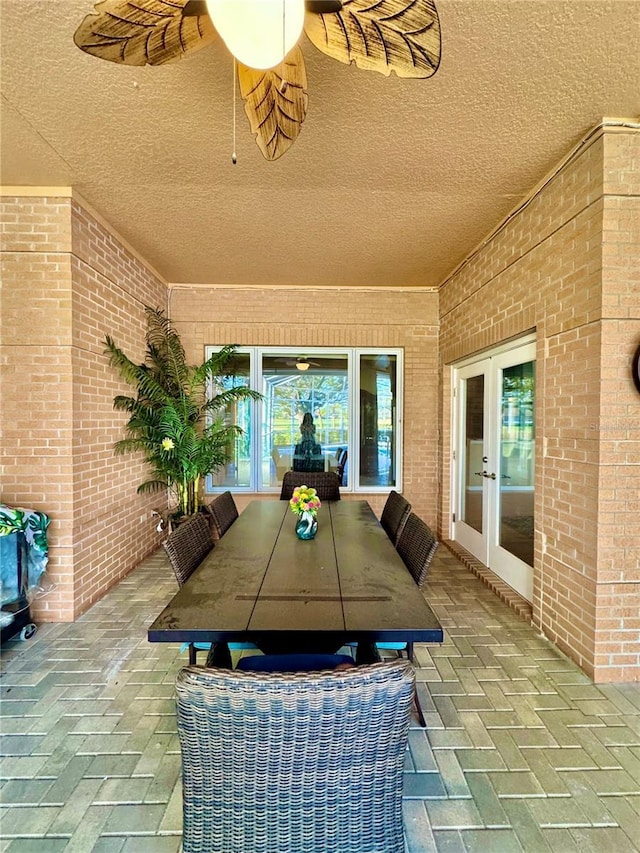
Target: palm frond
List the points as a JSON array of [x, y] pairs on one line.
[[124, 404], [230, 395], [168, 415], [132, 445], [165, 352], [220, 363], [129, 370], [152, 486]]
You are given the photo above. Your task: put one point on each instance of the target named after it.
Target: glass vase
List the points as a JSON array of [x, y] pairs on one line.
[[306, 525]]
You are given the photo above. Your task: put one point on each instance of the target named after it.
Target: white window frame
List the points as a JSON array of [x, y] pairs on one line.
[[352, 354]]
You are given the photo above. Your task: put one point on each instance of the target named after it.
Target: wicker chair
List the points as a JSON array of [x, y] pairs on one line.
[[326, 484], [187, 546], [223, 512], [393, 519], [394, 515], [417, 545], [304, 761]]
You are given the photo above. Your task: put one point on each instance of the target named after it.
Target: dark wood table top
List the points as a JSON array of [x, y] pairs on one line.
[[262, 583]]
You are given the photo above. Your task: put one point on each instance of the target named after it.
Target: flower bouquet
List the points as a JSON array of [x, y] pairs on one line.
[[305, 503]]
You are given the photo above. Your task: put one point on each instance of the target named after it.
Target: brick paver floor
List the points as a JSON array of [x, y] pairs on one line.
[[522, 751]]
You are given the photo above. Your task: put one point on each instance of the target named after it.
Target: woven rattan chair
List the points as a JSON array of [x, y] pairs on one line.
[[291, 762], [417, 545], [326, 484], [187, 546], [223, 512], [394, 515]]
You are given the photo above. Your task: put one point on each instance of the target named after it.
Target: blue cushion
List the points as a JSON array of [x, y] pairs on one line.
[[398, 647], [206, 646], [292, 663]]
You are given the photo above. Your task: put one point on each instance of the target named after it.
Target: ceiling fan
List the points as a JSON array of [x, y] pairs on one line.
[[376, 35], [301, 363]]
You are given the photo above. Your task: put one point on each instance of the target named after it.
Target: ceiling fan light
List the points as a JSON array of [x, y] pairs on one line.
[[302, 364], [259, 33]]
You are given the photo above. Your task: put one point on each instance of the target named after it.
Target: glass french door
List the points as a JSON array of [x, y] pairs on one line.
[[494, 462]]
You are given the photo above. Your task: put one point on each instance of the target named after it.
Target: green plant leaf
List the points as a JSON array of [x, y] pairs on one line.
[[171, 402]]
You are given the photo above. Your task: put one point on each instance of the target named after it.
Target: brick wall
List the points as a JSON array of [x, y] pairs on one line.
[[66, 281], [567, 265], [335, 317], [617, 644]]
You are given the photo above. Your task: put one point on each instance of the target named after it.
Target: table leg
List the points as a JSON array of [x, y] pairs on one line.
[[416, 700], [367, 653], [219, 656]]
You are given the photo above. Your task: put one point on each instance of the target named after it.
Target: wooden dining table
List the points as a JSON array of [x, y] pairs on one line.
[[260, 583]]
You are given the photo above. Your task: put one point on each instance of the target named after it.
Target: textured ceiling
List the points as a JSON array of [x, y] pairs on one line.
[[391, 183]]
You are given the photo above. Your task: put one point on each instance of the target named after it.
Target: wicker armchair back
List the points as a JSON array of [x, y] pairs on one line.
[[394, 515], [326, 484], [188, 545], [224, 512], [417, 545], [320, 765]]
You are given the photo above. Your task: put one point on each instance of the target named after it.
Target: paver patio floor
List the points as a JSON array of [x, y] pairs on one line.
[[522, 751]]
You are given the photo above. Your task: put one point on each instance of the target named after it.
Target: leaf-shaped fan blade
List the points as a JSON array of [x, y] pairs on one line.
[[275, 102], [142, 32], [381, 35]]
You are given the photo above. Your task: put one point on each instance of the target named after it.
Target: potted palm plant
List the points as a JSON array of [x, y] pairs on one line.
[[180, 429]]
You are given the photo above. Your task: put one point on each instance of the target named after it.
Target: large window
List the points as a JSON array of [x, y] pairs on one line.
[[323, 410]]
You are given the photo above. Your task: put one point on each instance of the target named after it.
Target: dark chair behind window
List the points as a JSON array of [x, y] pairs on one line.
[[326, 484], [224, 512], [279, 463], [394, 515], [343, 455], [328, 747]]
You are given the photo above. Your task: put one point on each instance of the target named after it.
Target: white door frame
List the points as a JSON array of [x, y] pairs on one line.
[[485, 543]]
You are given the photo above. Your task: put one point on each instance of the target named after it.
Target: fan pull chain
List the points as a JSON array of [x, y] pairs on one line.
[[283, 82], [234, 159]]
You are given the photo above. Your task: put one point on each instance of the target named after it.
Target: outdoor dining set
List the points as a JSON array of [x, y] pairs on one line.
[[301, 746]]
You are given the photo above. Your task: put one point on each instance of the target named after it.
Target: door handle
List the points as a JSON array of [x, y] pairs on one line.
[[484, 474]]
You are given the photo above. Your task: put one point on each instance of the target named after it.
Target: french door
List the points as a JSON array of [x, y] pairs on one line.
[[494, 462]]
